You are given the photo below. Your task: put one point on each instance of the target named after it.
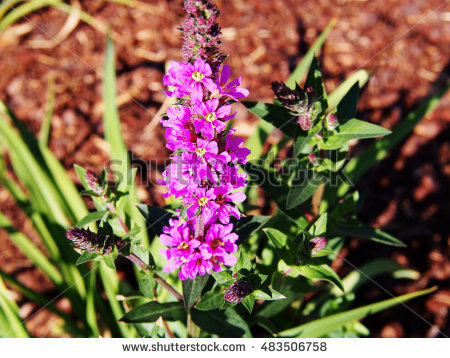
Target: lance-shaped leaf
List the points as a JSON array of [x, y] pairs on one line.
[[276, 114], [225, 323], [353, 129], [320, 272], [151, 311], [192, 289], [303, 187]]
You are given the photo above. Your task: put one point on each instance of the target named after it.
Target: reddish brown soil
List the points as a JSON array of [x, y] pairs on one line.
[[405, 44]]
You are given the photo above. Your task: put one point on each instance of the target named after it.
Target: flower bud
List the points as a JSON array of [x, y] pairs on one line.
[[331, 122], [313, 159], [318, 244], [89, 241], [93, 182], [304, 120], [238, 291]]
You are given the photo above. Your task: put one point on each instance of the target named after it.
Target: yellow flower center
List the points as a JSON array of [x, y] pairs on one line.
[[210, 117], [183, 246], [197, 76], [202, 201], [200, 151]]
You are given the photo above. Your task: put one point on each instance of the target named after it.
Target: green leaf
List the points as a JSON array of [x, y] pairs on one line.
[[225, 323], [192, 289], [320, 226], [303, 188], [360, 230], [11, 325], [281, 243], [151, 311], [210, 301], [249, 302], [146, 284], [243, 261], [109, 260], [267, 293], [305, 63], [94, 216], [336, 97], [353, 129], [314, 79], [156, 217], [247, 226], [276, 114], [224, 278], [87, 256], [323, 326], [320, 272], [346, 108], [30, 250]]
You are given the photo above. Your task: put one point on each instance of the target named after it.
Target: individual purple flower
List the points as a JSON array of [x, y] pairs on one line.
[[180, 131], [202, 199], [181, 244], [220, 244], [189, 79], [232, 88], [237, 153], [196, 265], [211, 117], [206, 149], [225, 199]]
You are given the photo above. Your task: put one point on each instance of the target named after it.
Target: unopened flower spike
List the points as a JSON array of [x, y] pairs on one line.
[[89, 241], [299, 102], [238, 291]]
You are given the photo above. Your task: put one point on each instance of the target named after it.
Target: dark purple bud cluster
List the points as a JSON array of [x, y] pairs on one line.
[[201, 33], [238, 291], [89, 241]]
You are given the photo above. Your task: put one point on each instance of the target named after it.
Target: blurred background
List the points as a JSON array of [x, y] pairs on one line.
[[405, 44]]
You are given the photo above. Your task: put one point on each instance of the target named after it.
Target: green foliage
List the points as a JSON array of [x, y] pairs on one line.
[[276, 259]]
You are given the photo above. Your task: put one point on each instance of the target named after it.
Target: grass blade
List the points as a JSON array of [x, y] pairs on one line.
[[322, 326]]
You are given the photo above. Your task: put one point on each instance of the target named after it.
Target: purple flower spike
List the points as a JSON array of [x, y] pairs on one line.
[[204, 172]]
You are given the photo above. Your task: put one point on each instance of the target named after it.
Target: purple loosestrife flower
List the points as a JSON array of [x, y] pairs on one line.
[[189, 79], [179, 239], [204, 171], [211, 117], [231, 89], [203, 200], [225, 198]]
